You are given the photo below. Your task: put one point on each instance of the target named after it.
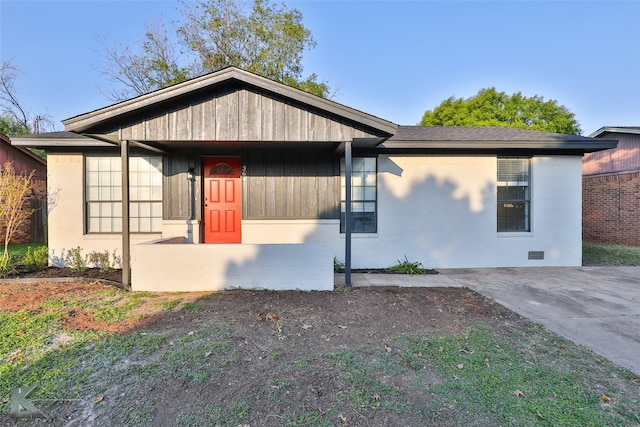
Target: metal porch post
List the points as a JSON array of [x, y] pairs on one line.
[[347, 215], [126, 237]]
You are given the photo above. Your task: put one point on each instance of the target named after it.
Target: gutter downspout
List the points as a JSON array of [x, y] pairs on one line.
[[347, 215]]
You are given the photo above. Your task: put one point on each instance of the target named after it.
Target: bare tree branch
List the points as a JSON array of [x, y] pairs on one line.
[[13, 108]]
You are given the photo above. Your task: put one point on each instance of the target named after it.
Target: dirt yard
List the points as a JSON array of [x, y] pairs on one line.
[[263, 358]]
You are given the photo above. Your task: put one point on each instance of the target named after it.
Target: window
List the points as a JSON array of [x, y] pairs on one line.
[[103, 194], [514, 194], [363, 195]]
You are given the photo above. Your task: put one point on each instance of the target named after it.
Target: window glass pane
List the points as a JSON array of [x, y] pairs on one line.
[[93, 178], [105, 193], [370, 164], [104, 163], [363, 193], [94, 225], [134, 193], [370, 179], [105, 210], [134, 225], [369, 193], [93, 193], [358, 164], [105, 225], [145, 210], [156, 193], [92, 164], [144, 193], [115, 164], [104, 183], [357, 193], [369, 207], [513, 194]]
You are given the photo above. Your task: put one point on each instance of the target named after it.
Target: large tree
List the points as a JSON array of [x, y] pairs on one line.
[[265, 39], [492, 108], [15, 118]]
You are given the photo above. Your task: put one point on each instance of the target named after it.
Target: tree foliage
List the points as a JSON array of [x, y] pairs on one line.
[[492, 108], [266, 39]]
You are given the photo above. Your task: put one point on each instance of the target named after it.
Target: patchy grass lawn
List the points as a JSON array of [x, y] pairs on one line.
[[362, 357], [597, 254]]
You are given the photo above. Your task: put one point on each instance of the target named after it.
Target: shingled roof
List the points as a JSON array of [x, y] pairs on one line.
[[476, 138]]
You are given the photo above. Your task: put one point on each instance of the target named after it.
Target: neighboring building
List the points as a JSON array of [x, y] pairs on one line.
[[256, 170], [611, 189], [25, 162]]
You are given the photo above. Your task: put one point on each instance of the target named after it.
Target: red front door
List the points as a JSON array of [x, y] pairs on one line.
[[222, 200]]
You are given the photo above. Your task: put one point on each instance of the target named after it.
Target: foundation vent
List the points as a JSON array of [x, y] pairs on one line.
[[536, 254]]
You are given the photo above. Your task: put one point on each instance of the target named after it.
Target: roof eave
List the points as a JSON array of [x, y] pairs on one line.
[[583, 147], [613, 129], [58, 142]]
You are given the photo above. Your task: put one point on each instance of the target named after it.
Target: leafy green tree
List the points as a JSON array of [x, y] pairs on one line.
[[492, 108], [266, 39], [11, 127]]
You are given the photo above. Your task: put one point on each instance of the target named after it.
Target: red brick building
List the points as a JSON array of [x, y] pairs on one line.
[[24, 161], [611, 189]]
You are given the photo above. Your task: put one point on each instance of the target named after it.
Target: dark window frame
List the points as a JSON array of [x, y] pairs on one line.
[[513, 195], [364, 195], [97, 183]]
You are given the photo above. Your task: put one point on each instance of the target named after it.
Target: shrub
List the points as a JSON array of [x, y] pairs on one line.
[[407, 267], [104, 260], [7, 266], [36, 259], [76, 261]]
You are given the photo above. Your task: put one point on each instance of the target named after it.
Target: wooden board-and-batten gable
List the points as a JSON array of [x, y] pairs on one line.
[[231, 105]]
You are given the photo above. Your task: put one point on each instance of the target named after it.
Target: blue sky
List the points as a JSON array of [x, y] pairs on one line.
[[392, 59]]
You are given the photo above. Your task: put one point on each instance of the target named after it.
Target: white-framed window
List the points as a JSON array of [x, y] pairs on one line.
[[103, 194], [363, 195], [514, 194]]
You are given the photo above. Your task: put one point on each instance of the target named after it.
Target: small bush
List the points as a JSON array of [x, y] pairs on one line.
[[36, 259], [76, 261], [407, 267], [337, 265], [7, 267], [104, 260]]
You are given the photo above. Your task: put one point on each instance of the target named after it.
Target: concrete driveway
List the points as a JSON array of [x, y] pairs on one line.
[[598, 307]]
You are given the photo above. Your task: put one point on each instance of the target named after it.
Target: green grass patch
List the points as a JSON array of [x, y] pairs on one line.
[[169, 305], [360, 370], [192, 307], [19, 250], [485, 375], [143, 294], [615, 255], [116, 311]]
